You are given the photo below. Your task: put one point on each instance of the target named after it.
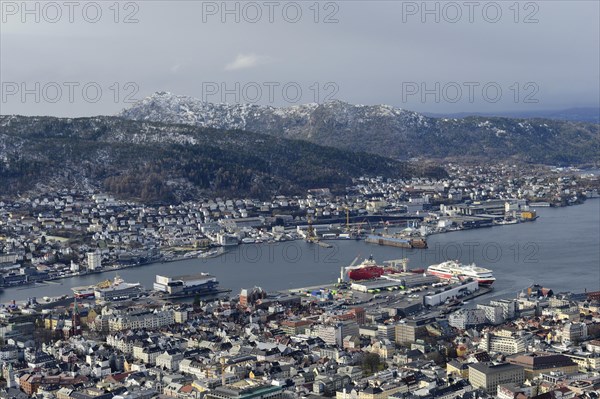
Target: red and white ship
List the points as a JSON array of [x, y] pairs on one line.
[[369, 270], [455, 270]]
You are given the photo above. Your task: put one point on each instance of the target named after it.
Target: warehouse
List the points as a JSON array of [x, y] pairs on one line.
[[437, 298]]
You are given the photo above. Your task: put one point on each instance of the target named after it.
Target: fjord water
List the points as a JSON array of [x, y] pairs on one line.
[[560, 250]]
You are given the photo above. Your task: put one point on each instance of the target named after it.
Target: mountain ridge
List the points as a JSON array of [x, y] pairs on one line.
[[153, 161], [385, 130], [578, 114]]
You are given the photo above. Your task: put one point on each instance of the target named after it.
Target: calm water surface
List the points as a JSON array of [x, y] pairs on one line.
[[560, 250]]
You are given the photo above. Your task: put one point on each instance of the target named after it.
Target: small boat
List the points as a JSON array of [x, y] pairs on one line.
[[212, 253]]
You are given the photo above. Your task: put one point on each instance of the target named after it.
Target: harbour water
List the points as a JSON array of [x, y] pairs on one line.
[[560, 250]]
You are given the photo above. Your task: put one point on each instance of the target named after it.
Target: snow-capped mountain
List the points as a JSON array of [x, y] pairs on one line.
[[304, 121], [168, 108], [385, 130]]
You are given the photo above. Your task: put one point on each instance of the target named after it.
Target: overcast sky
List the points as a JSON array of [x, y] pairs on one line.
[[477, 56]]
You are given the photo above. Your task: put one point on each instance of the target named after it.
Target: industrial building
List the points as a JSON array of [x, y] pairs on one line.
[[396, 281], [536, 364], [488, 376], [437, 298], [201, 283], [247, 391]]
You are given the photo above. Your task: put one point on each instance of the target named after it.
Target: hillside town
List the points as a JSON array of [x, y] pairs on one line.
[[65, 234], [390, 333], [332, 343], [299, 200]]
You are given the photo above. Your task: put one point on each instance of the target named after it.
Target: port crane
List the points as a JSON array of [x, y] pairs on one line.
[[310, 231], [354, 261], [347, 218], [370, 226], [385, 225], [344, 270], [395, 262]]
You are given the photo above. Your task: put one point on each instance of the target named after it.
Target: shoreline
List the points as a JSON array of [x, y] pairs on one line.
[[45, 285], [48, 281]]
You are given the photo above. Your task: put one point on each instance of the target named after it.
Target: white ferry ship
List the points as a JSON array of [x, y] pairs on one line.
[[455, 270], [110, 290], [84, 291], [118, 290]]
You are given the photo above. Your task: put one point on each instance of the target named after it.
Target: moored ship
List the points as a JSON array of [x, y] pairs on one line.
[[369, 270], [83, 292], [109, 290], [395, 241], [455, 270], [117, 290]]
